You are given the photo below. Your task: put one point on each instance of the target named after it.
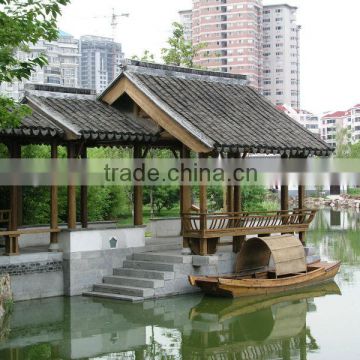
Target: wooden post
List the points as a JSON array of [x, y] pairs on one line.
[[229, 198], [84, 196], [185, 196], [203, 214], [237, 240], [138, 194], [54, 246], [12, 243], [301, 205], [71, 154], [284, 197]]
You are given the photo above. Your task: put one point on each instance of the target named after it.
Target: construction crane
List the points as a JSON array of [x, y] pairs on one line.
[[114, 20]]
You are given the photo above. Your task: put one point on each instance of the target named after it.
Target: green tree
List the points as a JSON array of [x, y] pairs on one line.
[[355, 151], [161, 197], [23, 22], [146, 56], [181, 52], [342, 143]]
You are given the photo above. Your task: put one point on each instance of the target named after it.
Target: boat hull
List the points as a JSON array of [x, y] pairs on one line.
[[231, 286]]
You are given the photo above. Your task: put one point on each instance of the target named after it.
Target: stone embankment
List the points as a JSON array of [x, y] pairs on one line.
[[341, 202], [6, 300]]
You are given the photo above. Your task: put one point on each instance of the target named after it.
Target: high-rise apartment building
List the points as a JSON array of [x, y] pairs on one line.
[[281, 70], [232, 30], [62, 68], [100, 61], [186, 21]]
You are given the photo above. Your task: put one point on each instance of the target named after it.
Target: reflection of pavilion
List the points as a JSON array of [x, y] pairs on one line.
[[271, 327]]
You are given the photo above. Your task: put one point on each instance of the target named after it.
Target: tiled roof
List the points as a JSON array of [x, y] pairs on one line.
[[233, 116], [81, 116], [336, 114], [36, 125], [93, 119]]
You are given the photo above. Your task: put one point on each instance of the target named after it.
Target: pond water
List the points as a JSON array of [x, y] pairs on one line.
[[319, 323]]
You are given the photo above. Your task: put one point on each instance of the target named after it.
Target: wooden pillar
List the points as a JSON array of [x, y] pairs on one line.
[[203, 214], [54, 246], [229, 198], [84, 196], [185, 196], [12, 243], [138, 193], [71, 154], [301, 205], [237, 207], [284, 197]]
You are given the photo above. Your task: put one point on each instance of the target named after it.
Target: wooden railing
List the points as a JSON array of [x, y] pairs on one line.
[[246, 223]]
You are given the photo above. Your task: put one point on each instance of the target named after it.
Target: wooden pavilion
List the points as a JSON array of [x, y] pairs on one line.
[[185, 110]]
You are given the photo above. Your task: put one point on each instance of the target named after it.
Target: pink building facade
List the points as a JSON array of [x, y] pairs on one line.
[[232, 30]]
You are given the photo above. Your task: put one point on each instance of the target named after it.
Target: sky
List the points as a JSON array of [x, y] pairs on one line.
[[330, 51]]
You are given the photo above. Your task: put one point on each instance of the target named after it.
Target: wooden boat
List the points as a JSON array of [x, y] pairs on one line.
[[266, 266]]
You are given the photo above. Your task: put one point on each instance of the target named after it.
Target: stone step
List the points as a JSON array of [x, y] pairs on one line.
[[124, 290], [147, 265], [163, 247], [113, 296], [145, 274], [164, 241], [133, 281], [163, 257]]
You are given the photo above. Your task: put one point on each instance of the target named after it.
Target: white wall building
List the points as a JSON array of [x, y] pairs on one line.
[[186, 21], [332, 122], [281, 70], [305, 118], [63, 67]]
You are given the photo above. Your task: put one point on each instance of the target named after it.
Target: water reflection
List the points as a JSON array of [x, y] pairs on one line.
[[186, 327], [195, 327]]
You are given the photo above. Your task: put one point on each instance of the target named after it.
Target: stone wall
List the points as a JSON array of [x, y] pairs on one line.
[[34, 276]]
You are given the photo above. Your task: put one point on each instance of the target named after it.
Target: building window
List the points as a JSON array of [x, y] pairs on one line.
[[278, 27], [279, 92]]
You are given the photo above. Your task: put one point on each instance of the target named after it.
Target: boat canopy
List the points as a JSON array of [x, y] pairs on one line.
[[287, 252]]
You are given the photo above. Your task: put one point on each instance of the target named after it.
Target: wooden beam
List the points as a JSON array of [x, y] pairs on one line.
[[156, 114], [71, 154], [185, 195], [54, 246], [84, 195], [12, 243], [138, 193]]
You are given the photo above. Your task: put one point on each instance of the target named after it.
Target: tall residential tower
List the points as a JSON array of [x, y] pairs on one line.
[[281, 54], [100, 61], [232, 30]]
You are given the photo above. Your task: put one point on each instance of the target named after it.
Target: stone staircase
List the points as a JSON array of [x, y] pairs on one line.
[[145, 276]]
